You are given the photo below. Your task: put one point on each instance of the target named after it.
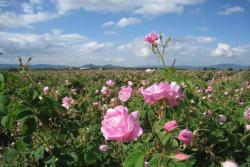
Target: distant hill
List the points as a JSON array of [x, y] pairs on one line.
[[110, 66]]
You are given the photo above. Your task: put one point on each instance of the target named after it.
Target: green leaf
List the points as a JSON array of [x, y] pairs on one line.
[[175, 143], [154, 162], [90, 158], [166, 138], [5, 100], [23, 113], [7, 122], [135, 159], [3, 110], [38, 154], [28, 126]]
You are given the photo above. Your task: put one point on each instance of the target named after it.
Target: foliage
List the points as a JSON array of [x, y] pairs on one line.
[[36, 130]]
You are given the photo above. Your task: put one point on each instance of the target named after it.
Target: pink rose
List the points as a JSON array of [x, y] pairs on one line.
[[229, 163], [105, 91], [151, 38], [173, 94], [110, 82], [170, 92], [103, 148], [125, 93], [209, 90], [181, 156], [46, 90], [247, 114], [222, 119], [155, 92], [186, 136], [67, 102], [119, 125], [170, 126]]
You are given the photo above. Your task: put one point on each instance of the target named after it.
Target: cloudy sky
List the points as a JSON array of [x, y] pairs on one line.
[[78, 32]]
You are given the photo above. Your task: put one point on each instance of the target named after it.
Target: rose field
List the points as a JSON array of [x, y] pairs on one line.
[[125, 118]]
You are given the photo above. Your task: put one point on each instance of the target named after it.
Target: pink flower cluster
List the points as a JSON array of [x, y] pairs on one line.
[[186, 136], [163, 91], [151, 38], [119, 125], [67, 102]]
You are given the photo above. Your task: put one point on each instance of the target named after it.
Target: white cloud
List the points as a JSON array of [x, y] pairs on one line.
[[142, 7], [225, 50], [31, 12], [123, 22], [108, 24], [55, 47], [232, 10], [12, 20]]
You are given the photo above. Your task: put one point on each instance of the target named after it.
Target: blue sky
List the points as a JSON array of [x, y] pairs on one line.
[[78, 32]]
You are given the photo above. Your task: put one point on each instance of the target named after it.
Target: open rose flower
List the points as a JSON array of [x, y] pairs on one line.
[[186, 136], [67, 102], [181, 156], [119, 125], [151, 38], [110, 82], [170, 92], [125, 93], [173, 94], [170, 126], [155, 92], [247, 114]]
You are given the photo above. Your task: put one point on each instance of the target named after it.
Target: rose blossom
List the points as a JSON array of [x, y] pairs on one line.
[[181, 156], [170, 92], [247, 114], [46, 90], [222, 119], [103, 148], [173, 94], [105, 91], [110, 82], [125, 93], [170, 126], [119, 125], [155, 92], [229, 163], [209, 89], [151, 38], [67, 102], [186, 136]]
